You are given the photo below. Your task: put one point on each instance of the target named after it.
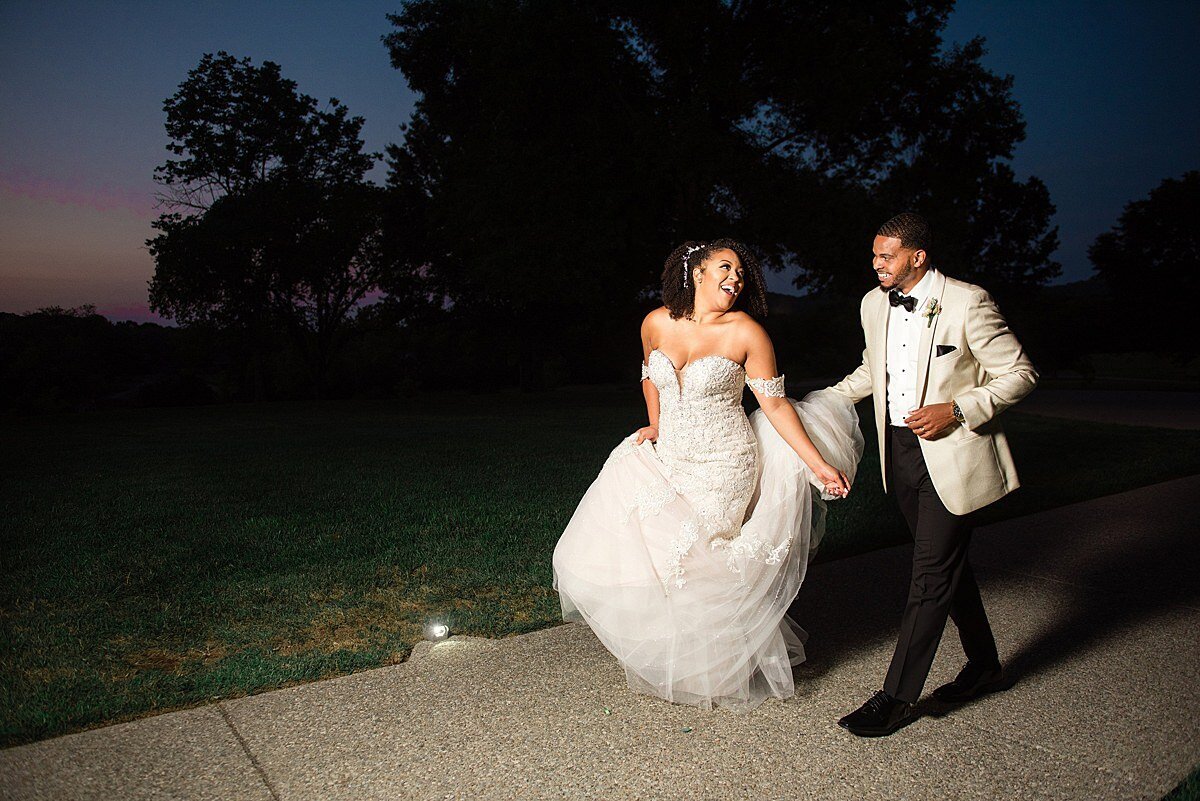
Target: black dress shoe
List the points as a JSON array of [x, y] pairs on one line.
[[973, 681], [878, 717]]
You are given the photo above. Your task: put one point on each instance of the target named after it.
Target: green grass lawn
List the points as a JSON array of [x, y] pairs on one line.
[[1187, 790], [158, 558]]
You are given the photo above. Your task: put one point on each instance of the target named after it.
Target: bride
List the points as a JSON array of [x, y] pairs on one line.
[[685, 553]]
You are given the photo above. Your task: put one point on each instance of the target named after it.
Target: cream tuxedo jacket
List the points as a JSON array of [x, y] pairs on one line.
[[986, 372]]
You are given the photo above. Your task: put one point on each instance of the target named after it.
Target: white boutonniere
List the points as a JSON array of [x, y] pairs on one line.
[[932, 309]]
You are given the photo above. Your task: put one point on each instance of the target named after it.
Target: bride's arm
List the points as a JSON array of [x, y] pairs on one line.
[[649, 391], [760, 364]]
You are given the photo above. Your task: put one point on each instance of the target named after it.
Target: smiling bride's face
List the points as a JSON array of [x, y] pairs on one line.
[[719, 280]]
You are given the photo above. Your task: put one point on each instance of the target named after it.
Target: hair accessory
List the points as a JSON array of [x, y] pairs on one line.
[[691, 249]]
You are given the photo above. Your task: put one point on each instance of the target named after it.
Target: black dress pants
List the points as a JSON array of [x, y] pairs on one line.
[[942, 582]]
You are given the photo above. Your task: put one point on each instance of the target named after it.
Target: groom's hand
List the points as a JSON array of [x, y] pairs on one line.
[[930, 421]]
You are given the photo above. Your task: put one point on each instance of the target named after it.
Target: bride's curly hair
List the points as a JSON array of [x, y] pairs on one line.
[[680, 300]]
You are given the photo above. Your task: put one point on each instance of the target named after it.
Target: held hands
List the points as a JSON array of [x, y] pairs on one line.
[[930, 421], [647, 433], [835, 480]]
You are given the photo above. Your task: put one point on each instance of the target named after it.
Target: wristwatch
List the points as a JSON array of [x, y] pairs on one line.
[[957, 412]]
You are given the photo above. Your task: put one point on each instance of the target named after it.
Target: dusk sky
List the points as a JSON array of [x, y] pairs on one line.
[[1110, 93]]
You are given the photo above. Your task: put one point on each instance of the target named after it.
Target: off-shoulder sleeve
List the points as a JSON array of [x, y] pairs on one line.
[[645, 371], [768, 387]]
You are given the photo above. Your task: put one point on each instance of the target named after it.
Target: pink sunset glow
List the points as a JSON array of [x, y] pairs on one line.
[[28, 184]]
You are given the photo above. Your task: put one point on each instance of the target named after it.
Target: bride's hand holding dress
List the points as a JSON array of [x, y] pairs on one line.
[[647, 433]]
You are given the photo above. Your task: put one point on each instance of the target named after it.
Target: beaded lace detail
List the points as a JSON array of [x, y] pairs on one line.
[[651, 499], [767, 387], [645, 371], [706, 443], [689, 533], [741, 549]]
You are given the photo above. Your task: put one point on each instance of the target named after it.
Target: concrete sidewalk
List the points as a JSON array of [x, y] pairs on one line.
[[1096, 607]]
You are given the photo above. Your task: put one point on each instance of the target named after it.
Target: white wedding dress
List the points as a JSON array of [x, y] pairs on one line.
[[684, 555]]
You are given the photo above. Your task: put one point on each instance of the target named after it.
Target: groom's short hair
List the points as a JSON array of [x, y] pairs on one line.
[[910, 228]]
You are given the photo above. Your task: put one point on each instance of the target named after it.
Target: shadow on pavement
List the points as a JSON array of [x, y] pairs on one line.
[[1118, 561]]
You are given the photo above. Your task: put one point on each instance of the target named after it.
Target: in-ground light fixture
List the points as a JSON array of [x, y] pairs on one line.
[[437, 632]]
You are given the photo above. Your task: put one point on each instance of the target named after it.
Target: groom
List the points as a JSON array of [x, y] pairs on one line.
[[941, 364]]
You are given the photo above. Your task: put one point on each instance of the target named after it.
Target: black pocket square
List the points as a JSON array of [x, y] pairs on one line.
[[942, 350]]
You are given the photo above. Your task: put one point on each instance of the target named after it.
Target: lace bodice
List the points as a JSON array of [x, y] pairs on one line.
[[705, 439], [770, 387]]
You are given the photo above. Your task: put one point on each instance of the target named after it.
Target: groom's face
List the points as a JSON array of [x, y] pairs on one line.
[[896, 266]]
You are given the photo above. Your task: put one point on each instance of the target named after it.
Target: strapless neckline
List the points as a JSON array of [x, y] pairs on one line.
[[686, 367]]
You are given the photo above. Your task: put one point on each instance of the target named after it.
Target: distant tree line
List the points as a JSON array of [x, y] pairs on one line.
[[74, 359], [557, 152]]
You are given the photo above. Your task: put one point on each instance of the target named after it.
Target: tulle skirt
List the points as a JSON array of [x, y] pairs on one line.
[[696, 619]]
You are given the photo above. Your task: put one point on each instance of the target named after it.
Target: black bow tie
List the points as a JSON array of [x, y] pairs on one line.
[[896, 299]]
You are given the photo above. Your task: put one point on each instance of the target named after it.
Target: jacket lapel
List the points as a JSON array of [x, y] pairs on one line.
[[928, 328], [877, 355], [877, 348]]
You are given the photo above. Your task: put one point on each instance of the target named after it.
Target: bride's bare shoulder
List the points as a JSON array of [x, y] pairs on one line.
[[655, 320], [750, 332], [745, 325]]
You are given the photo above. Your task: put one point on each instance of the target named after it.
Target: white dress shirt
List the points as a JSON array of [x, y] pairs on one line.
[[903, 339]]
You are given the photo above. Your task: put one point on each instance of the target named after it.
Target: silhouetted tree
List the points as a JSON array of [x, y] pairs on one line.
[[559, 150], [294, 258], [235, 126], [829, 118], [281, 233], [535, 172], [1147, 253]]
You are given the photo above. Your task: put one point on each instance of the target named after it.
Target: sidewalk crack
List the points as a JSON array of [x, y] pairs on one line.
[[262, 773]]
